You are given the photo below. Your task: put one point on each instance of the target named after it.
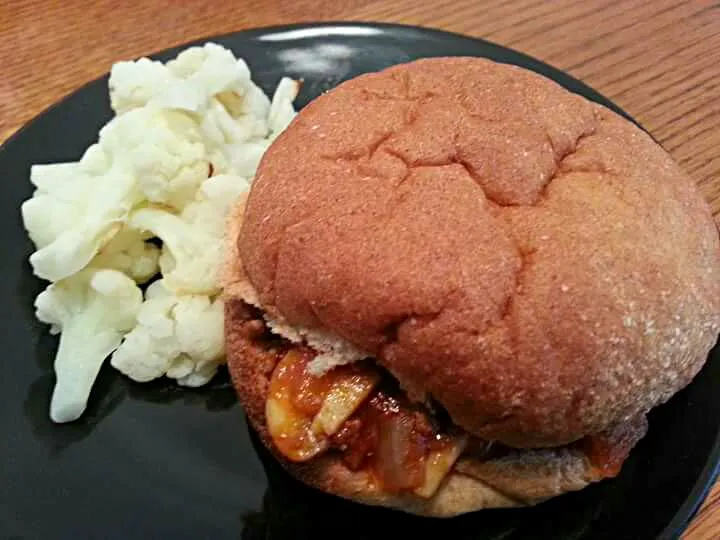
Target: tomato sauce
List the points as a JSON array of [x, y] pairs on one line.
[[393, 438], [386, 435], [608, 450]]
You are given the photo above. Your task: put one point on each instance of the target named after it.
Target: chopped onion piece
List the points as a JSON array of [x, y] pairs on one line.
[[399, 460], [289, 428], [438, 465], [346, 395]]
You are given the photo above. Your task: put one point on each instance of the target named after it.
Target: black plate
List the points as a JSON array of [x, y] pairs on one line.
[[152, 461]]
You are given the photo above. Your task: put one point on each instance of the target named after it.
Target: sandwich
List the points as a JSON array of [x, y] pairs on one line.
[[455, 285]]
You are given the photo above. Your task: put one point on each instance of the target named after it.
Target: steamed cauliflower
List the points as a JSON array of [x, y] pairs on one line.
[[92, 310], [95, 161], [162, 150], [149, 197], [131, 253], [177, 336], [72, 214], [213, 68], [209, 85], [135, 84], [187, 83], [281, 110], [236, 110], [235, 144], [192, 241]]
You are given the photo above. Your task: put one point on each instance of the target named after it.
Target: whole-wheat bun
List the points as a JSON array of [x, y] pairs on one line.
[[520, 478], [530, 260]]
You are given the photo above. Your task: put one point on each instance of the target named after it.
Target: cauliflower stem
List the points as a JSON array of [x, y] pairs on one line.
[[93, 310]]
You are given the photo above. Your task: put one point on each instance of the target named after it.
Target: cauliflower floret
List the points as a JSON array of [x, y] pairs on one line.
[[237, 109], [93, 309], [234, 115], [73, 214], [177, 336], [130, 253], [213, 68], [47, 215], [254, 102], [220, 191], [193, 241], [239, 151], [162, 149], [189, 256], [185, 83], [135, 84], [220, 128], [241, 158], [281, 109], [237, 143], [95, 161]]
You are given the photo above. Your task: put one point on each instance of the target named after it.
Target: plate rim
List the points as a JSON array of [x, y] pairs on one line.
[[710, 472]]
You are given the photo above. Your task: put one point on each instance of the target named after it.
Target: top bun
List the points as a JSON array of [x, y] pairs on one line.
[[528, 259]]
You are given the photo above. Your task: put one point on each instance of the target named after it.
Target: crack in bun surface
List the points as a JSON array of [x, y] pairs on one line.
[[535, 263]]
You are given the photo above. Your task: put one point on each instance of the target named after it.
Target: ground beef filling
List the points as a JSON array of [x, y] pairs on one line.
[[357, 411]]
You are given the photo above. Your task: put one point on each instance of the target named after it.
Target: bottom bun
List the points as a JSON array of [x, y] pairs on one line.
[[519, 478]]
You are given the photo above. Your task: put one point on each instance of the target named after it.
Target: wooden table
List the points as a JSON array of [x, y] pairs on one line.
[[658, 59]]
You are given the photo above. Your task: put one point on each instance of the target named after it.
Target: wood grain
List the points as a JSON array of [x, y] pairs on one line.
[[658, 59]]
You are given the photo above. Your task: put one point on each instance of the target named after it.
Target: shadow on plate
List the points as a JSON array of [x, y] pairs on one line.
[[293, 510]]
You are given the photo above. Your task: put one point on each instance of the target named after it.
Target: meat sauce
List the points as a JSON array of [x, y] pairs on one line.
[[308, 393], [385, 435], [355, 410], [607, 451]]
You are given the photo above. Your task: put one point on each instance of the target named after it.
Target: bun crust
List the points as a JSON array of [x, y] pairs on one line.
[[534, 262]]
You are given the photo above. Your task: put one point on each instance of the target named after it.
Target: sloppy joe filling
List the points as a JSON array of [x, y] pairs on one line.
[[355, 410]]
